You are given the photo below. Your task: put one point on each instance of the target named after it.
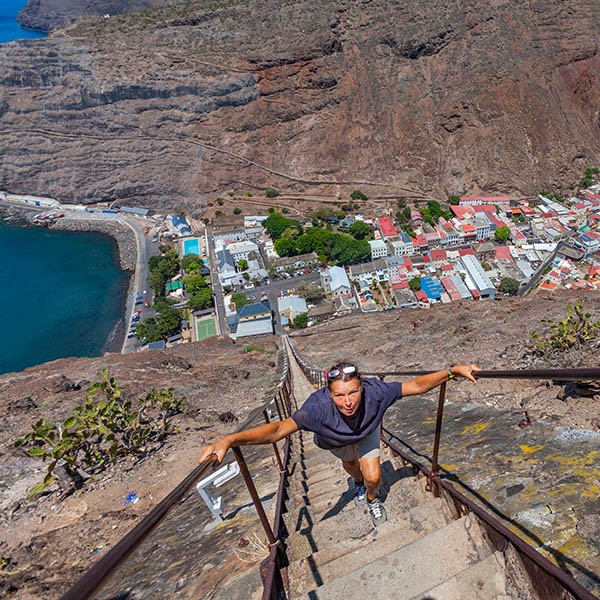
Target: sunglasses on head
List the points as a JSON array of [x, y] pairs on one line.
[[333, 373]]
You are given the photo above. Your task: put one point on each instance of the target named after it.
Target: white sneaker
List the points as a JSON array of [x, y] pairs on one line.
[[377, 511]]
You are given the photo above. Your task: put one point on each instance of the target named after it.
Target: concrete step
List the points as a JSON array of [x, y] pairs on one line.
[[409, 570], [327, 563], [485, 580]]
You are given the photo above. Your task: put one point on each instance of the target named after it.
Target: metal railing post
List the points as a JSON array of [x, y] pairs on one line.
[[438, 432], [275, 448], [254, 494]]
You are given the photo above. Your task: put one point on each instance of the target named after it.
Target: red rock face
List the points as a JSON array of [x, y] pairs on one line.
[[313, 98]]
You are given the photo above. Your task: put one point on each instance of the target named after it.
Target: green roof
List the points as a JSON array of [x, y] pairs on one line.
[[176, 285]]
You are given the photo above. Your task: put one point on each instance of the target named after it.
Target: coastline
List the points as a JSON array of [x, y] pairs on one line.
[[125, 247]]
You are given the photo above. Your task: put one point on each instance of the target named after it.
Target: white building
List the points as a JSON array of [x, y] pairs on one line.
[[403, 246], [241, 250], [378, 249], [478, 276], [335, 281]]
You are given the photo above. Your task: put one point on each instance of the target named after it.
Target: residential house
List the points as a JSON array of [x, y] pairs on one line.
[[478, 200], [241, 250], [422, 299], [320, 313], [378, 249], [376, 269], [291, 306], [438, 257], [302, 261], [386, 226], [402, 245]]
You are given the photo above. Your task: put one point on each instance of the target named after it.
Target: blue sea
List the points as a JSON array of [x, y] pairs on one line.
[[61, 294], [9, 28]]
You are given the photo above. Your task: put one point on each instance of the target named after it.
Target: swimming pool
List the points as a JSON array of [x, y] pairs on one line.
[[191, 247]]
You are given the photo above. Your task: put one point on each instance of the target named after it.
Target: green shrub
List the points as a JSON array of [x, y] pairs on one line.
[[576, 330], [358, 195], [220, 201], [104, 428], [237, 210], [271, 193], [218, 213]]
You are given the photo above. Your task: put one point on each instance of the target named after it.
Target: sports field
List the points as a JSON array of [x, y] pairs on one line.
[[206, 328]]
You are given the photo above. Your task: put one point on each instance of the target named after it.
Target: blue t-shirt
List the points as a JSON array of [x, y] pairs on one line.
[[332, 430]]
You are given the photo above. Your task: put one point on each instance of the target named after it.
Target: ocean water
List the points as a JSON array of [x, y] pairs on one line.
[[61, 294], [9, 28]]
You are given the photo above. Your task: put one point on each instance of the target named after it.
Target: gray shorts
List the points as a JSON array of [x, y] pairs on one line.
[[367, 447]]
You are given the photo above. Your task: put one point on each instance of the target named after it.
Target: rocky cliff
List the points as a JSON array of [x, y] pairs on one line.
[[169, 106], [44, 15]]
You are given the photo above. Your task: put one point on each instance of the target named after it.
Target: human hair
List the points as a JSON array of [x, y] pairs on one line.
[[342, 371]]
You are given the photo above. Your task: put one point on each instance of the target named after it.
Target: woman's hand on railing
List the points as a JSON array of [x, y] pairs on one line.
[[467, 371], [218, 449]]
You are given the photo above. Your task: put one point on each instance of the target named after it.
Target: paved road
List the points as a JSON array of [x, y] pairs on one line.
[[216, 285]]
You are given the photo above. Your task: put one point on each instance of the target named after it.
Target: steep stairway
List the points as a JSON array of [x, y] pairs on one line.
[[421, 552]]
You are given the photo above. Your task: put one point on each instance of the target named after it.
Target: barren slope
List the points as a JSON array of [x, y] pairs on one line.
[[47, 544], [167, 107]]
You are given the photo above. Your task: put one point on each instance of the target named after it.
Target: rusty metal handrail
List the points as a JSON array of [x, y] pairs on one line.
[[566, 581], [104, 567], [555, 580], [94, 577]]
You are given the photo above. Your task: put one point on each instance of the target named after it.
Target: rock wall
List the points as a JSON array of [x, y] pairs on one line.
[[166, 107]]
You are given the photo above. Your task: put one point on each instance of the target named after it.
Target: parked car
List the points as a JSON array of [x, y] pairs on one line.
[[139, 297], [139, 302], [146, 303]]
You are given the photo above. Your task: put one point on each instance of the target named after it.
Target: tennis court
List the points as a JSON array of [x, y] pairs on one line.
[[206, 328]]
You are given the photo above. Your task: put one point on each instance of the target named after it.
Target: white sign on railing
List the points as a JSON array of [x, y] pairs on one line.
[[218, 478]]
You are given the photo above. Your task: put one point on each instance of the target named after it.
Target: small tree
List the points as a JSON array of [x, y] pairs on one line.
[[508, 285], [271, 193], [301, 320], [237, 210], [486, 266], [502, 234], [358, 195], [415, 284], [454, 200], [240, 299], [220, 201], [360, 230], [218, 213], [242, 264]]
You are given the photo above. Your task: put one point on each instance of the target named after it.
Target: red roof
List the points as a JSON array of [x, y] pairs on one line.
[[447, 268], [503, 253], [387, 227], [466, 251], [438, 255], [421, 295], [594, 270], [565, 270], [475, 294], [462, 211], [467, 228], [488, 208], [400, 286], [549, 286]]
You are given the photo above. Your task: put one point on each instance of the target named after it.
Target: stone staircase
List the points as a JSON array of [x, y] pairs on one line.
[[421, 552]]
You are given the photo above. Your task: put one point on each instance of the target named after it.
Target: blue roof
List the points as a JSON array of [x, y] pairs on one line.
[[156, 345], [250, 310], [432, 287]]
